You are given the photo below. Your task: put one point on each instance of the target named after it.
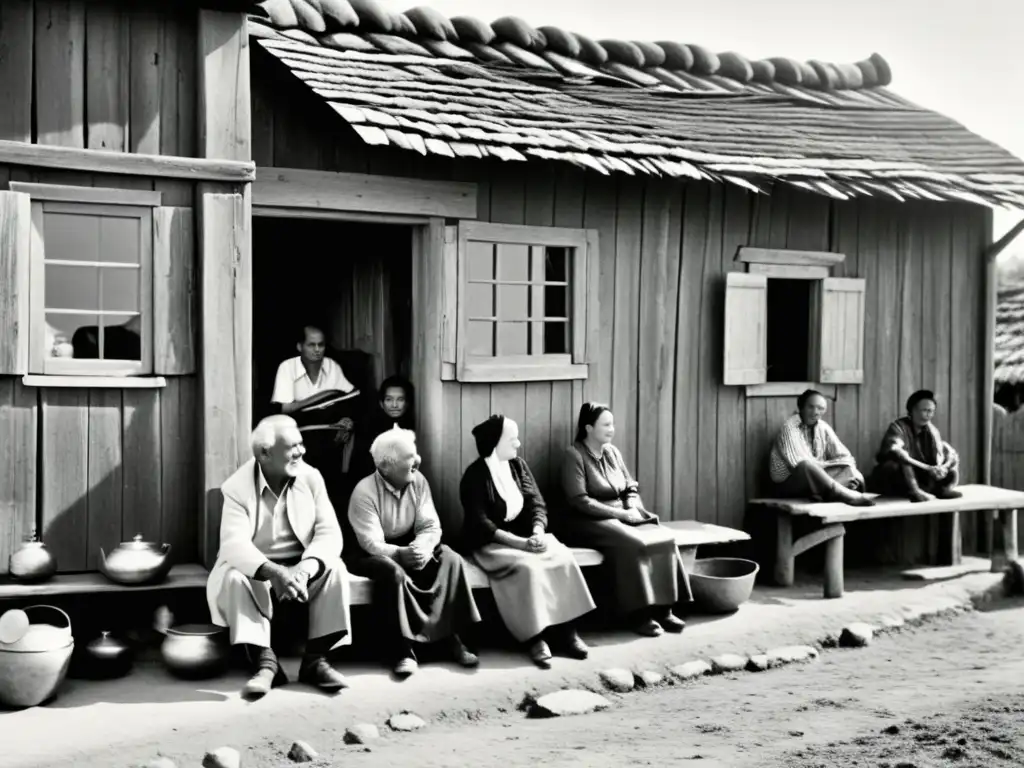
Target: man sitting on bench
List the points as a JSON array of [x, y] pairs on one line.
[[913, 460], [809, 461]]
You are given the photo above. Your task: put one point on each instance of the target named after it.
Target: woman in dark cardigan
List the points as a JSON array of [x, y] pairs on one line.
[[536, 583], [607, 514]]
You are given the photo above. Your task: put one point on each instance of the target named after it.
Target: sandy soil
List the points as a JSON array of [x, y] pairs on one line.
[[949, 693]]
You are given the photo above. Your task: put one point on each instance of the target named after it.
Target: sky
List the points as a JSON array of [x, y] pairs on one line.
[[963, 58]]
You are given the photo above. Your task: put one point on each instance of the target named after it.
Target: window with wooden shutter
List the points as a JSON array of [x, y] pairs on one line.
[[746, 329], [90, 284], [839, 344], [15, 254], [521, 302]]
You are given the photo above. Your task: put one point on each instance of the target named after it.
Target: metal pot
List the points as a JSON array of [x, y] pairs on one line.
[[106, 657], [32, 561], [136, 562], [196, 650], [34, 657]]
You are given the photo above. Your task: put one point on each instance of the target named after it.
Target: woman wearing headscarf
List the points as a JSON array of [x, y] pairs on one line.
[[607, 514], [535, 580]]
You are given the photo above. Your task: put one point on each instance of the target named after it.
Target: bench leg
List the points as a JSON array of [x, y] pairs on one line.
[[834, 567], [951, 552], [1004, 545], [785, 558]]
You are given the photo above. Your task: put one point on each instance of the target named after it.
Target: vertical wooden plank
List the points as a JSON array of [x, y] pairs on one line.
[[732, 412], [64, 475], [688, 329], [844, 240], [871, 421], [168, 71], [142, 501], [15, 266], [263, 122], [179, 468], [599, 214], [710, 355], [187, 82], [105, 478], [570, 189], [60, 71], [107, 76], [625, 325], [146, 81], [18, 469], [225, 121], [16, 27], [453, 433], [174, 292], [655, 353], [757, 444]]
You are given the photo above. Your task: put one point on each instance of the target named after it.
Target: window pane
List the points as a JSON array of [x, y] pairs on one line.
[[555, 301], [479, 261], [556, 338], [121, 338], [71, 287], [514, 302], [480, 300], [71, 236], [119, 239], [120, 289], [480, 339], [513, 262], [513, 338], [557, 264], [61, 338]]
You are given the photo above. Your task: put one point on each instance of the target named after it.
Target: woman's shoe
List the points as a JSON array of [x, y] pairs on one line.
[[648, 628], [540, 653], [671, 623], [575, 648]]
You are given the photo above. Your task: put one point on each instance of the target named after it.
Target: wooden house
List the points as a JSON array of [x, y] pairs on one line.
[[520, 219]]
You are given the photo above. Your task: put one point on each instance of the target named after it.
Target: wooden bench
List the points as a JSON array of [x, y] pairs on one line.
[[690, 534], [833, 515]]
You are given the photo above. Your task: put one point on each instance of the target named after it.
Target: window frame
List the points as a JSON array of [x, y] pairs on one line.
[[97, 201], [521, 368], [786, 264]]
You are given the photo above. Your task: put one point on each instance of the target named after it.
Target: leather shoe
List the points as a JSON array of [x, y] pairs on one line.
[[406, 666], [259, 684], [540, 653], [671, 622], [575, 648], [648, 628], [322, 675], [462, 655]]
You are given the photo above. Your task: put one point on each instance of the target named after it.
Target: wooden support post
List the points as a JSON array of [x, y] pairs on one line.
[[1004, 545], [785, 560], [225, 265], [952, 540], [834, 567], [427, 285]]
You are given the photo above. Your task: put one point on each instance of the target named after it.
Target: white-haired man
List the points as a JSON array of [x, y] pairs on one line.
[[421, 592], [280, 539]]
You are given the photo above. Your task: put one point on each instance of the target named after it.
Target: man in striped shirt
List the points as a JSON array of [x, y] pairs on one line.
[[809, 461]]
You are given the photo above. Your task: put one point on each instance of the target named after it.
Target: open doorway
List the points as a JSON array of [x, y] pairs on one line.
[[353, 278]]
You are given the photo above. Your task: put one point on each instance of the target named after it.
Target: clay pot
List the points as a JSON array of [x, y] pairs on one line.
[[106, 657], [196, 651], [34, 655], [136, 562], [32, 561]]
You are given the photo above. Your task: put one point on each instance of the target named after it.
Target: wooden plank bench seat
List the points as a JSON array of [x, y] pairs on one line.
[[833, 515], [689, 535]]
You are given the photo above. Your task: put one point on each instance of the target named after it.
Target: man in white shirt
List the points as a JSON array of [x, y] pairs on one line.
[[311, 372]]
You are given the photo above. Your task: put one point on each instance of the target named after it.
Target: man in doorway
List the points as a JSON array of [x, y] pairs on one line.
[[280, 541]]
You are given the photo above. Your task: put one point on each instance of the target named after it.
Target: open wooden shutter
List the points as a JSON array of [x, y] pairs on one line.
[[746, 329], [840, 342], [174, 292], [15, 256]]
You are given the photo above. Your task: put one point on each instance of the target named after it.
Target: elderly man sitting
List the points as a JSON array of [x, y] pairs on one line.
[[420, 588], [280, 540]]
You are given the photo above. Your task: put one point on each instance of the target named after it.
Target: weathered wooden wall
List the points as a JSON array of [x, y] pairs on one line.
[[698, 448], [1008, 455]]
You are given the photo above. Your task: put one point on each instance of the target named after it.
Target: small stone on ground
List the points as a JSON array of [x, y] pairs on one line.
[[791, 654], [691, 670], [570, 702], [728, 662], [648, 678], [361, 733], [618, 680], [222, 757], [301, 752], [405, 722], [757, 663], [856, 635]]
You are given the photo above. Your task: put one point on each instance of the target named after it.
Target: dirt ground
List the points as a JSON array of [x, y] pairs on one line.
[[948, 693]]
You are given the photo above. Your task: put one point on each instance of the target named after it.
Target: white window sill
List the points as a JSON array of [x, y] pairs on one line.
[[95, 382], [790, 389]]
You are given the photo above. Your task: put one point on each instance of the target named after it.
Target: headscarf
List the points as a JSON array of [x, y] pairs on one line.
[[487, 435], [589, 414]]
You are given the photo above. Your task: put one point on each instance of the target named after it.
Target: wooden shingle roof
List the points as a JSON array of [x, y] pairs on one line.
[[1009, 342], [463, 88]]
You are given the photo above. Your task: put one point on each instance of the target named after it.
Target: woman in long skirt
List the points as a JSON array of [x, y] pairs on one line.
[[536, 582], [605, 512]]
